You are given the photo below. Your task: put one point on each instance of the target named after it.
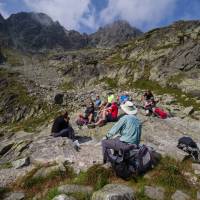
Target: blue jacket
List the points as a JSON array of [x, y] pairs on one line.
[[129, 127]]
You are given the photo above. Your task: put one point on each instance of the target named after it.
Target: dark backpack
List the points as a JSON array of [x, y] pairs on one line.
[[188, 145], [133, 162]]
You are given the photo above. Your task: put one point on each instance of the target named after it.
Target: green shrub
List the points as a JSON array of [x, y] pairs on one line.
[[51, 194], [3, 191], [169, 173], [96, 176]]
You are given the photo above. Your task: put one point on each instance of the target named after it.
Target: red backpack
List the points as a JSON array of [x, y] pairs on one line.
[[160, 113]]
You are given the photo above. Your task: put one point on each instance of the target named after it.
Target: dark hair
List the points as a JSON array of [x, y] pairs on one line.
[[65, 115]]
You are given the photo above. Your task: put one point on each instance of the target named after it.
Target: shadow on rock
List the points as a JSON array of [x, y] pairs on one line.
[[83, 139]]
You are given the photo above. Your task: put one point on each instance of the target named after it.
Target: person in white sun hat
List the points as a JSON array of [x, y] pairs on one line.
[[129, 130]]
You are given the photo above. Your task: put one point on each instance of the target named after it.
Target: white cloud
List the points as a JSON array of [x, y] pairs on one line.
[[3, 11], [140, 13], [70, 13]]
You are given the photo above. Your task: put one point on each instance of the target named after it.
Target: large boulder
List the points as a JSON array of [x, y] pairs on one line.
[[21, 162], [74, 189], [114, 192], [156, 193], [179, 195], [63, 197], [15, 196]]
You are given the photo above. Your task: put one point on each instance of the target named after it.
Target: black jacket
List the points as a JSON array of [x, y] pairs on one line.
[[59, 124]]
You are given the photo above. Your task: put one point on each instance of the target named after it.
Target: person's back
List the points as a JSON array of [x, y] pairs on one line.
[[97, 101], [129, 127], [114, 110]]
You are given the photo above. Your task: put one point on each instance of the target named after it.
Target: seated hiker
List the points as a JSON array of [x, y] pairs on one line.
[[107, 115], [123, 98], [129, 129], [149, 102], [110, 99], [97, 101], [62, 128], [88, 116]]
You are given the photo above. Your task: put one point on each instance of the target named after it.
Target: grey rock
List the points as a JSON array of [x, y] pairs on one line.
[[21, 163], [196, 166], [63, 197], [198, 195], [188, 110], [15, 196], [114, 192], [75, 188], [156, 193], [58, 99], [179, 195]]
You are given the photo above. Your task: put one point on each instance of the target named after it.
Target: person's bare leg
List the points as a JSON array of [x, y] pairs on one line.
[[102, 118], [90, 118]]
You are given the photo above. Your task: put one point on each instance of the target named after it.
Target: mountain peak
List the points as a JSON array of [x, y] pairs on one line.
[[114, 33]]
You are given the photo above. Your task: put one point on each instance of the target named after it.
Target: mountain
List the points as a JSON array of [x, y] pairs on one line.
[[114, 33], [33, 31], [37, 31]]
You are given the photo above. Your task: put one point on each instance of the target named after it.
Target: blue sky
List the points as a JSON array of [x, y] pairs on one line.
[[89, 15]]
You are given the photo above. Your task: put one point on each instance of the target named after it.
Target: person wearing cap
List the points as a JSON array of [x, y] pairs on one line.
[[129, 129]]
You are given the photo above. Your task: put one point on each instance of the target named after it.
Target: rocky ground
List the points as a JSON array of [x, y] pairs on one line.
[[23, 152]]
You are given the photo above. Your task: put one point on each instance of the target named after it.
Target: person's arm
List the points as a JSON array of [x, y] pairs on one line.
[[116, 128]]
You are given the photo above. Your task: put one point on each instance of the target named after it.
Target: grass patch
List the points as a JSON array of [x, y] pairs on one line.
[[33, 123], [111, 82], [6, 165], [33, 185], [169, 174], [141, 195], [66, 86], [97, 176], [3, 191], [176, 78], [167, 46], [15, 88], [81, 196], [12, 57], [51, 194]]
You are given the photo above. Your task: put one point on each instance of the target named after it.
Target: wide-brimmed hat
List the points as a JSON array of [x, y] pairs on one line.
[[129, 108]]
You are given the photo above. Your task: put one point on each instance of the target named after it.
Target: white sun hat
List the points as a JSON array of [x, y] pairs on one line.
[[129, 108]]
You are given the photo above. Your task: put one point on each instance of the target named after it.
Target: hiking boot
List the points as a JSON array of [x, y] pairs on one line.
[[76, 145]]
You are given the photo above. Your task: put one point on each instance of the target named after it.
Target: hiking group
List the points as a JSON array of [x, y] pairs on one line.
[[123, 137]]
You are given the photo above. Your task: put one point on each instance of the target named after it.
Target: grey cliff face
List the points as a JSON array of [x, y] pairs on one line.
[[113, 34]]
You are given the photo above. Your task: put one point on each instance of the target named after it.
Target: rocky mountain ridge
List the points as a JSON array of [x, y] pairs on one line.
[[37, 31]]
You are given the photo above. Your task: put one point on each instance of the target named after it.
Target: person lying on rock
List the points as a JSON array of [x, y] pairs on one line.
[[109, 114], [129, 129], [62, 128]]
